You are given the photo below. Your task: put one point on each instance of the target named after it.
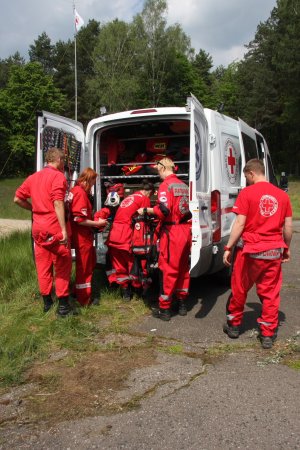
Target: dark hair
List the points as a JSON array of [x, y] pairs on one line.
[[147, 185]]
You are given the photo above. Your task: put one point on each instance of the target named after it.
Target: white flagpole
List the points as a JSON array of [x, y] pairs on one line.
[[75, 61]]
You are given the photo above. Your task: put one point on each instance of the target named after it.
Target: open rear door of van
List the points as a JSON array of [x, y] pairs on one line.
[[199, 176], [64, 133]]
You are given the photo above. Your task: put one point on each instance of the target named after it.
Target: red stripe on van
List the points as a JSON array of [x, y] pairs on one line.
[[142, 111]]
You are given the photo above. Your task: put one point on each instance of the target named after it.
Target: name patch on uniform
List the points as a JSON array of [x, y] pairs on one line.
[[178, 189]]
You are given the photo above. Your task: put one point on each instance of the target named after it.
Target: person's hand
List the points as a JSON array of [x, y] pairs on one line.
[[227, 258], [101, 223], [286, 256], [64, 239], [140, 211]]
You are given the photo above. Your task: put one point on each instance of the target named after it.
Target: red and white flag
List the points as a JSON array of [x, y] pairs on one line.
[[79, 22]]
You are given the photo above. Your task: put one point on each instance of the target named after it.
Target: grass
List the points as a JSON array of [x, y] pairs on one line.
[[8, 210], [27, 334], [294, 193]]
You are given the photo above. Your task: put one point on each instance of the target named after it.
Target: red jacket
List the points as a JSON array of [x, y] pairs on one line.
[[172, 201], [122, 228], [80, 210], [44, 187], [265, 207]]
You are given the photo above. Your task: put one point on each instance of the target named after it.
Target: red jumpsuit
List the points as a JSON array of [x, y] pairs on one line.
[[120, 238], [175, 239], [82, 240], [44, 187], [106, 213], [259, 260]]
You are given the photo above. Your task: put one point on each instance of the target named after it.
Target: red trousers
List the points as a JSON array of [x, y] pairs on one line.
[[173, 262], [85, 264], [122, 262], [267, 276], [58, 258]]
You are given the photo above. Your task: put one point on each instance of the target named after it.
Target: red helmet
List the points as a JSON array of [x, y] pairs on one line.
[[112, 186]]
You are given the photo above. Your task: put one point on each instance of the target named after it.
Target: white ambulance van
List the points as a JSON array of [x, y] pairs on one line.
[[208, 148]]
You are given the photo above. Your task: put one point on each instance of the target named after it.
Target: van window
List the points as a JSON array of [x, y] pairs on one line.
[[202, 163], [272, 177], [250, 147], [260, 147]]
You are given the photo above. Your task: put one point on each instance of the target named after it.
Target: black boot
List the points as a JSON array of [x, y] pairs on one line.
[[48, 302], [126, 294], [182, 309], [64, 308], [163, 314]]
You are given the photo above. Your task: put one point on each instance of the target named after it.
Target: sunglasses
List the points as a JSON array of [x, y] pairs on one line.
[[161, 164]]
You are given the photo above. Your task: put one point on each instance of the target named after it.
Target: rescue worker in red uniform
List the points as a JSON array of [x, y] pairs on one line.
[[83, 225], [47, 190], [120, 238], [108, 212], [264, 223], [172, 209]]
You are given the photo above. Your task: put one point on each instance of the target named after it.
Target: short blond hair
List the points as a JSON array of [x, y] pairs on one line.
[[167, 163], [53, 153]]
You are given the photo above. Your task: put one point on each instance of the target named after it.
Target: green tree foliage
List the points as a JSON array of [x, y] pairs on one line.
[[28, 89], [64, 64], [115, 84], [269, 84], [42, 51], [159, 48], [224, 91], [6, 64]]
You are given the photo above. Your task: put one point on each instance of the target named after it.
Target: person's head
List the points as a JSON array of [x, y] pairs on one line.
[[147, 187], [87, 178], [283, 174], [55, 157], [165, 167], [254, 171]]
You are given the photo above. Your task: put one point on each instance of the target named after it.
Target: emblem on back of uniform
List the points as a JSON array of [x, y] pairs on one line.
[[268, 205], [127, 201]]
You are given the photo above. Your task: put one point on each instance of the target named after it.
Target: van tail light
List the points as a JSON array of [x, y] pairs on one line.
[[216, 216]]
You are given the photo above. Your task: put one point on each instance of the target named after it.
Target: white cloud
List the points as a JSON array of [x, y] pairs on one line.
[[220, 27]]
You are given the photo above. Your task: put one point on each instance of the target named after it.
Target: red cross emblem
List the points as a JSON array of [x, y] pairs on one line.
[[231, 160], [268, 205]]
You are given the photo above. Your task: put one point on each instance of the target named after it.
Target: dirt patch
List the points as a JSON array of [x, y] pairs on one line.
[[8, 226], [69, 389]]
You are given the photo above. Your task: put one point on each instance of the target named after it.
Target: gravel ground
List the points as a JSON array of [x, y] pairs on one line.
[[245, 397]]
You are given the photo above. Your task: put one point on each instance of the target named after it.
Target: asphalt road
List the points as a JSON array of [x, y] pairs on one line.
[[246, 398]]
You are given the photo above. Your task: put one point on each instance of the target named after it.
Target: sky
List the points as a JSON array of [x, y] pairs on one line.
[[220, 27]]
